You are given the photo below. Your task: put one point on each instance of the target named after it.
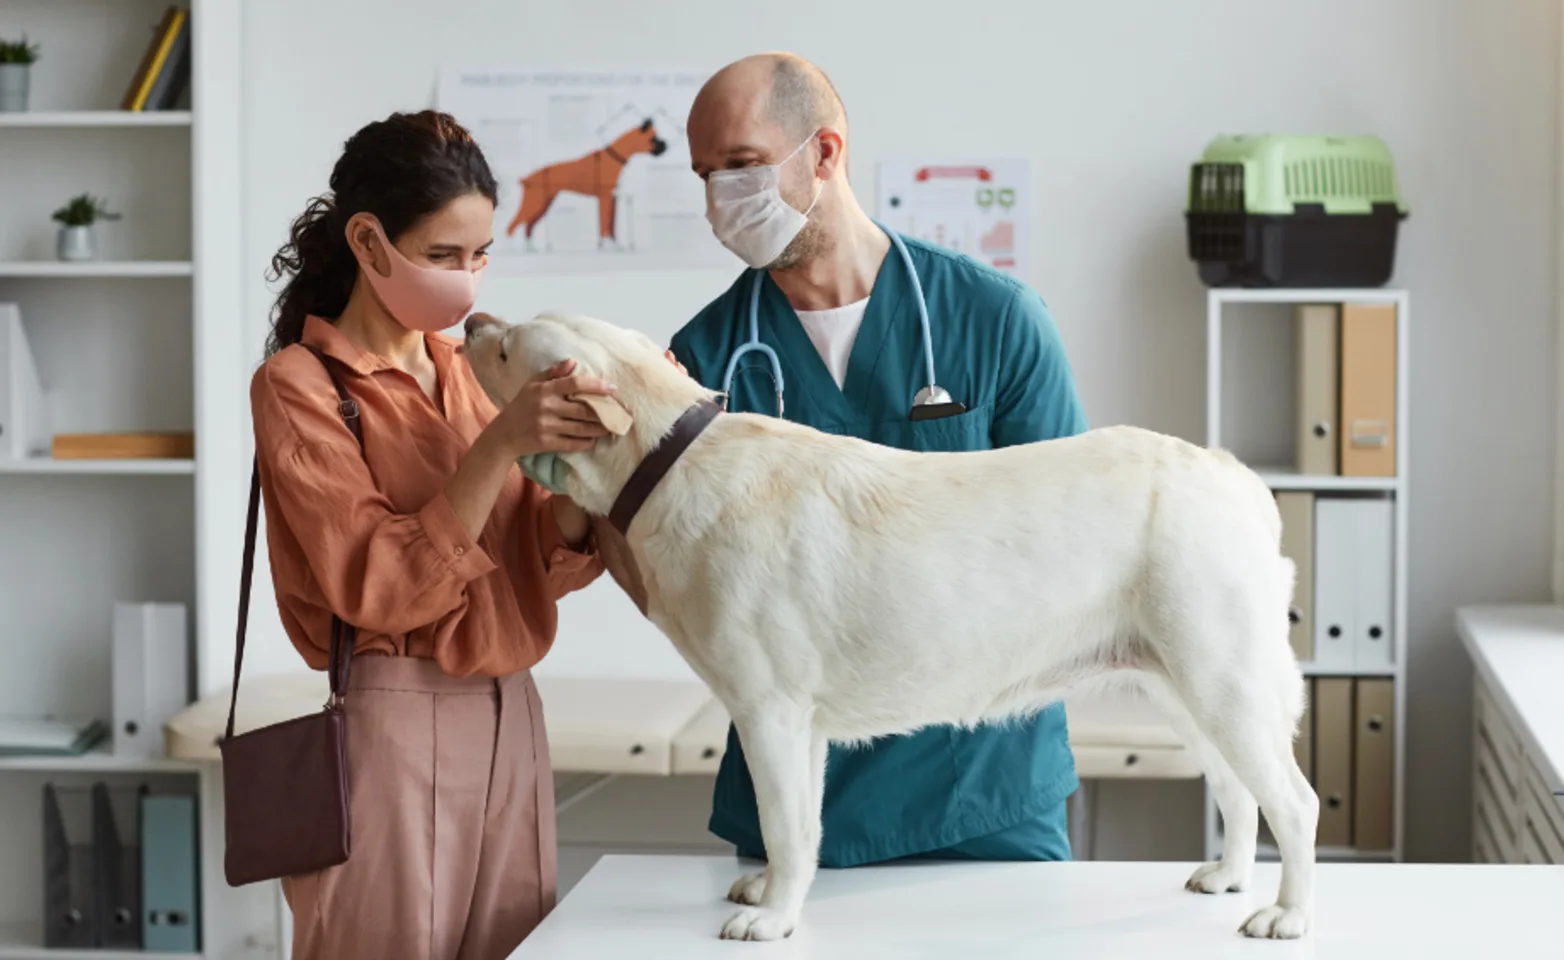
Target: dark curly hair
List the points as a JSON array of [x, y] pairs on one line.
[[400, 169]]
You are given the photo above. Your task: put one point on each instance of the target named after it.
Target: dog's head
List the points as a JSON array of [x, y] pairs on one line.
[[650, 392], [644, 139]]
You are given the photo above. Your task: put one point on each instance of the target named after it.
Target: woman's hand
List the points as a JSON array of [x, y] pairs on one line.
[[571, 520], [542, 419], [675, 361]]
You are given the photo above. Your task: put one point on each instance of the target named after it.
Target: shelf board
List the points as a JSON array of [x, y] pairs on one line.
[[1306, 295], [25, 940], [97, 118], [1310, 670], [1282, 478], [96, 760], [48, 465], [97, 268]]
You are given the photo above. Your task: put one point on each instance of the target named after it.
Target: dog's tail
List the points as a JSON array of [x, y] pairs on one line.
[[1294, 692]]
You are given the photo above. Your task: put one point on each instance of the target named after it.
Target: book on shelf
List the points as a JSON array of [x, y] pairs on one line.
[[165, 67], [124, 446], [50, 736]]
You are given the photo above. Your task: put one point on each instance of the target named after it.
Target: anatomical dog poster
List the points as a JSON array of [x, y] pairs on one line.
[[593, 167], [976, 207]]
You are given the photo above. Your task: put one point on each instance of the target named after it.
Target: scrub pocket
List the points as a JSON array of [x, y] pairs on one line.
[[958, 434]]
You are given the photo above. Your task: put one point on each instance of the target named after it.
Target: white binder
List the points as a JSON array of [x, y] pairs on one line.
[[1353, 584], [151, 674], [24, 428], [1335, 584], [1373, 643]]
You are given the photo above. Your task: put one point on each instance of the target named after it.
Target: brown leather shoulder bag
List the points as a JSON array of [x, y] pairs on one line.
[[285, 786]]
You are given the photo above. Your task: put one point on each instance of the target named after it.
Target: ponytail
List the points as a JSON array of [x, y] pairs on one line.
[[321, 270]]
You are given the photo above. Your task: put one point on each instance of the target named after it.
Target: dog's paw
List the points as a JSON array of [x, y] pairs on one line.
[[757, 923], [1217, 877], [1276, 922], [748, 889]]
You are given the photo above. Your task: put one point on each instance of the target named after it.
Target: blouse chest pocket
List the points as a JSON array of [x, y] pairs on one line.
[[954, 434]]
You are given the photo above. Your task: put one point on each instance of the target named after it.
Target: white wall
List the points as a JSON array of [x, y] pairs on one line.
[[1111, 101]]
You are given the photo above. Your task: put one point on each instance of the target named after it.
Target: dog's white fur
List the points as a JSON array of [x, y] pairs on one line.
[[830, 589]]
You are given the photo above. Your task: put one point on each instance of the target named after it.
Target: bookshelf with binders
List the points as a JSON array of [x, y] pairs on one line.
[[104, 479], [1309, 388]]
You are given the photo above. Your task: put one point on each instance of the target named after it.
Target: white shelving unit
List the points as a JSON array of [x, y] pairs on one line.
[[145, 338], [1250, 379]]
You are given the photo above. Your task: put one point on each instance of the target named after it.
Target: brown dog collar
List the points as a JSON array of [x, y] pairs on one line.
[[650, 472]]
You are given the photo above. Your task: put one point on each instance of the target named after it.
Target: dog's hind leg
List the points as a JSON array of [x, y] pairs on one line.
[[1243, 717], [781, 750], [1240, 812]]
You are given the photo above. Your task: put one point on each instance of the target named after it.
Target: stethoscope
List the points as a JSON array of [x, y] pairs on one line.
[[930, 403]]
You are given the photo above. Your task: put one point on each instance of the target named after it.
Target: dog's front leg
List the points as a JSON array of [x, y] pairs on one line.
[[785, 759]]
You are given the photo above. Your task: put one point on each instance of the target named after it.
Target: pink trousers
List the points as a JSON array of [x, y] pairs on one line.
[[453, 854]]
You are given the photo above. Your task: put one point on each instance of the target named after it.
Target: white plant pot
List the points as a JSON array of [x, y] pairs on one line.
[[77, 243], [13, 87]]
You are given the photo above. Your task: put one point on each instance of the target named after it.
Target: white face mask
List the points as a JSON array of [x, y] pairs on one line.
[[747, 212]]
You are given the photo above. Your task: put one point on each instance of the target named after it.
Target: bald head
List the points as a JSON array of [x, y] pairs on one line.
[[802, 99], [777, 108], [761, 104]]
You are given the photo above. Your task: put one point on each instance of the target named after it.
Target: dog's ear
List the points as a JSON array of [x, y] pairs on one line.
[[646, 125], [609, 411]]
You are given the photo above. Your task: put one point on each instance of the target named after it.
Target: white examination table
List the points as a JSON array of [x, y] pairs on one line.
[[605, 728], [673, 727], [670, 908]]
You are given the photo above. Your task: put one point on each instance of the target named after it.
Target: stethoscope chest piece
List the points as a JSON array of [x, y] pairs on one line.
[[933, 403]]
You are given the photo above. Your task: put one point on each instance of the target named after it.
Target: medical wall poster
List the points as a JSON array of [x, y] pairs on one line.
[[978, 208], [593, 165]]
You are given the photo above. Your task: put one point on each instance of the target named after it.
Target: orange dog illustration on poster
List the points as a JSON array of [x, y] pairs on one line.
[[594, 175], [593, 167]]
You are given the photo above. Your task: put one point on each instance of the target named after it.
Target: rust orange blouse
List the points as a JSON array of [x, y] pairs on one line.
[[372, 536]]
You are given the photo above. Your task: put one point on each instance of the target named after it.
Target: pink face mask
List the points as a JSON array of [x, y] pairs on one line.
[[427, 299]]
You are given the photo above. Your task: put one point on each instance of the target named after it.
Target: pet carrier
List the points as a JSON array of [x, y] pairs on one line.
[[1294, 211]]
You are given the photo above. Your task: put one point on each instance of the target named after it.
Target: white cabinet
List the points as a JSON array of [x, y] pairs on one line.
[[1515, 817]]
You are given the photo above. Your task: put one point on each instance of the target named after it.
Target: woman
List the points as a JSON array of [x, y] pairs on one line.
[[428, 540]]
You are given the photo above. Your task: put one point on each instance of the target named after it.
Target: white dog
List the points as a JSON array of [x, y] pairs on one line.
[[830, 589]]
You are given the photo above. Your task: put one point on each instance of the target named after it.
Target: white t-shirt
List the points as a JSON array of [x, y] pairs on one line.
[[833, 332]]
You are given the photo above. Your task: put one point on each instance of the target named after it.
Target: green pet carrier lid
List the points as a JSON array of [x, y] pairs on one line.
[[1269, 174]]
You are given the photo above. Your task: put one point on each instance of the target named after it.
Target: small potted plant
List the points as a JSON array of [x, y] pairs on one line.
[[16, 60], [76, 240]]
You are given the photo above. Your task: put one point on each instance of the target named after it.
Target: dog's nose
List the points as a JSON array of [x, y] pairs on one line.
[[477, 322]]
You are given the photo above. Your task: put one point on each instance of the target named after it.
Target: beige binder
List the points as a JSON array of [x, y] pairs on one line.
[[1297, 510], [1303, 744], [1317, 328], [1333, 759], [1368, 390], [1373, 796]]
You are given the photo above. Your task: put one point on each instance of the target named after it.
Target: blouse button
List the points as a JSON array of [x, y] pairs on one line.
[[460, 551]]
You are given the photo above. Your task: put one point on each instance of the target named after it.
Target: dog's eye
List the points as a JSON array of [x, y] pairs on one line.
[[504, 358]]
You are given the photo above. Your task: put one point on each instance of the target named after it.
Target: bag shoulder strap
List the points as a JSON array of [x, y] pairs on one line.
[[343, 636]]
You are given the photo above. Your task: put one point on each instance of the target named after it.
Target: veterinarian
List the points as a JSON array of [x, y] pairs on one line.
[[428, 541], [838, 307]]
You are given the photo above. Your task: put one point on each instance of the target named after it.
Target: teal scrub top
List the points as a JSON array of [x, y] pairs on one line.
[[997, 350]]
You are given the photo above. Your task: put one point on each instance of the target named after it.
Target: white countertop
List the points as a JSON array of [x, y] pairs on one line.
[[1519, 651], [670, 908]]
